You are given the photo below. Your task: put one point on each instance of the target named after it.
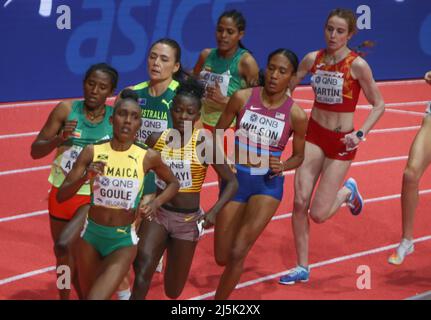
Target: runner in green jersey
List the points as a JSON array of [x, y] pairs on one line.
[[71, 126], [225, 69]]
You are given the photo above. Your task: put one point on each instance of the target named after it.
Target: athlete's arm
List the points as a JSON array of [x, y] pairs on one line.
[[303, 69], [153, 161], [249, 70], [201, 60], [235, 104], [225, 173], [83, 170], [362, 71], [55, 131], [298, 123]]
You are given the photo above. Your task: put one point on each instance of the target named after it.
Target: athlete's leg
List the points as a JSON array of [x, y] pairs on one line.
[[153, 239], [419, 160], [329, 197], [179, 260], [226, 227], [305, 179], [112, 271], [88, 263], [257, 215]]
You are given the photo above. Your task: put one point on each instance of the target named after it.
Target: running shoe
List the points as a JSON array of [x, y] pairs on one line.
[[160, 265], [405, 248], [355, 201], [299, 273]]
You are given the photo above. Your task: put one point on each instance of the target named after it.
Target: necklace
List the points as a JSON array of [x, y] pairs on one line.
[[92, 116]]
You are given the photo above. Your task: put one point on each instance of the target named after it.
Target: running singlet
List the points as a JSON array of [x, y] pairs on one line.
[[155, 111], [122, 182], [183, 162], [262, 129], [334, 87], [226, 73], [85, 133]]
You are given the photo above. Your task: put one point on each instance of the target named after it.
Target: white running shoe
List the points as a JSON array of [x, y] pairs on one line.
[[405, 248], [160, 265]]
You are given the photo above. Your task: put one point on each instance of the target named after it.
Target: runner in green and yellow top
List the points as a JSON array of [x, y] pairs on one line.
[[178, 224], [225, 69], [116, 169], [71, 126]]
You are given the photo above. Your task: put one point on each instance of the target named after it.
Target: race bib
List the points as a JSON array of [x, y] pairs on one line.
[[328, 86], [261, 129], [181, 170], [68, 158], [210, 79], [118, 193], [149, 126]]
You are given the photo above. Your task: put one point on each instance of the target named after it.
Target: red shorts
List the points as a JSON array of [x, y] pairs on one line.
[[229, 134], [329, 141], [67, 209]]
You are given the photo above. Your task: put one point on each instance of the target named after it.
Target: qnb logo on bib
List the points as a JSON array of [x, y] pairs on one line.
[[68, 158], [182, 171], [261, 129], [210, 79], [115, 192], [328, 86], [149, 126]]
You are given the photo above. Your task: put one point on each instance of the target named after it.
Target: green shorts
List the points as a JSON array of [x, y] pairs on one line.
[[150, 183], [108, 239]]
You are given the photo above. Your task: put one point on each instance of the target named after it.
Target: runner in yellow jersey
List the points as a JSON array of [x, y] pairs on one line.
[[116, 169], [178, 224]]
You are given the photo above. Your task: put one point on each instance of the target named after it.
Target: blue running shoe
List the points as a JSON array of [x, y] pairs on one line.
[[355, 201], [294, 275]]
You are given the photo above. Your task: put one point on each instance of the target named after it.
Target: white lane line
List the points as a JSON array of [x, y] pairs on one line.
[[422, 296], [24, 215], [9, 172], [315, 265], [19, 135], [387, 105], [26, 275], [278, 217]]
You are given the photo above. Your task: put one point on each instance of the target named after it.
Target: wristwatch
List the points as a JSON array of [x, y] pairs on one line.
[[360, 135]]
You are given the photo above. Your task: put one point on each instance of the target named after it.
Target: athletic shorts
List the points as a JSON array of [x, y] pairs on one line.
[[256, 181], [329, 141], [150, 183], [180, 225], [108, 239], [65, 210]]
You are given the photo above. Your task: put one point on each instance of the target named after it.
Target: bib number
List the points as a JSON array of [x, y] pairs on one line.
[[328, 86]]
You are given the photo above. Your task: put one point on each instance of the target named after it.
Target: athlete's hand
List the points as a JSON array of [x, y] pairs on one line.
[[68, 129], [428, 77], [276, 165], [214, 94], [351, 141], [94, 169], [209, 219], [148, 210]]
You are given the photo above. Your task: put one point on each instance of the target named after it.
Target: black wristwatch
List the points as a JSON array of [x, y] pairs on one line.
[[360, 135]]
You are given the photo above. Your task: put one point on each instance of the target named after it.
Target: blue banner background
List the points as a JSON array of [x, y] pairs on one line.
[[39, 61]]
